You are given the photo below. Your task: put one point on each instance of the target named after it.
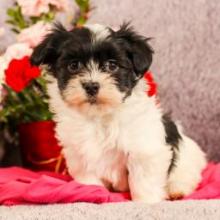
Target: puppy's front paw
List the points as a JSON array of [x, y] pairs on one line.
[[149, 199]]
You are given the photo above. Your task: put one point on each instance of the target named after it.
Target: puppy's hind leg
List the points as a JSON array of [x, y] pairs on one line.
[[186, 174]]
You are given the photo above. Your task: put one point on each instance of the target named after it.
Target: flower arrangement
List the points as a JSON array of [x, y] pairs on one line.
[[23, 96]]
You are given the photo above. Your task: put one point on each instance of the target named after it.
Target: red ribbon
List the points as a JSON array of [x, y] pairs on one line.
[[152, 90]]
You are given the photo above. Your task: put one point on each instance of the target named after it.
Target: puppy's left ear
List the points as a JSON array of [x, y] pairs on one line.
[[48, 50], [138, 51]]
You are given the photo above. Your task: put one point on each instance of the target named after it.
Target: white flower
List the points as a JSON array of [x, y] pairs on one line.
[[34, 34]]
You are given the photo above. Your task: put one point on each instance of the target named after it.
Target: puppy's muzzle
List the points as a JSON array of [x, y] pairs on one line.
[[91, 88]]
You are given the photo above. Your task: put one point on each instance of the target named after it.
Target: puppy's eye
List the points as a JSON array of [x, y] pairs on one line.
[[111, 66], [74, 66]]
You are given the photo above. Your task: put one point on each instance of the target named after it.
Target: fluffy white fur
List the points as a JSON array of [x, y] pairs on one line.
[[103, 150], [121, 145]]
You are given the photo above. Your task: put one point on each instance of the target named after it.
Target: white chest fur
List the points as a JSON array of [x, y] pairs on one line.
[[92, 149], [98, 147]]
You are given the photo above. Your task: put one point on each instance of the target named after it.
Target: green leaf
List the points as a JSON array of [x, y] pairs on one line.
[[84, 8], [11, 22], [11, 12], [15, 30], [83, 4], [16, 18]]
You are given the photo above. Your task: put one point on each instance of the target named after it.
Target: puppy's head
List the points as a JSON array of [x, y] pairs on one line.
[[95, 67]]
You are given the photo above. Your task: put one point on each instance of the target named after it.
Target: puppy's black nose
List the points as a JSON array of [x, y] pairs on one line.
[[91, 88]]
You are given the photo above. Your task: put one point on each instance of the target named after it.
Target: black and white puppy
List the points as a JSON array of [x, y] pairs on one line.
[[112, 133]]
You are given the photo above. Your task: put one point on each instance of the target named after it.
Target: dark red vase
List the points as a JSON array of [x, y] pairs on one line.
[[39, 147]]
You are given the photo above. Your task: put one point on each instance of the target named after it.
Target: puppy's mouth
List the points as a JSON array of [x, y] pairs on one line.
[[92, 100]]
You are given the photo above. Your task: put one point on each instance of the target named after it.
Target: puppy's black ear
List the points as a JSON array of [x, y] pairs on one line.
[[137, 48], [49, 49]]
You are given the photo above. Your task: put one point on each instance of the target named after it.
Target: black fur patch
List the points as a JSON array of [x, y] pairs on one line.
[[173, 138], [131, 52]]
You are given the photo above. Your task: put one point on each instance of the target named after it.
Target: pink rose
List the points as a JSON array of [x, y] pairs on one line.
[[37, 7], [33, 7], [34, 34]]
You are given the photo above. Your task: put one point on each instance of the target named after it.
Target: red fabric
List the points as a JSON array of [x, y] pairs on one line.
[[21, 186], [19, 73]]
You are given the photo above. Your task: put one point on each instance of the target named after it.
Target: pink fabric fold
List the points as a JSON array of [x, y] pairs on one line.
[[22, 186]]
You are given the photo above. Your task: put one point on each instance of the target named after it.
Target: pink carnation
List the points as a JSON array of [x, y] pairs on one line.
[[37, 7], [34, 34], [17, 51]]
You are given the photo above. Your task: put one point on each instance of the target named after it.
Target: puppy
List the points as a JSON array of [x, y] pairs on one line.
[[112, 133]]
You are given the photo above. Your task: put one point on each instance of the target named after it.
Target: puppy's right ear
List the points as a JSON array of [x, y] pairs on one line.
[[48, 50]]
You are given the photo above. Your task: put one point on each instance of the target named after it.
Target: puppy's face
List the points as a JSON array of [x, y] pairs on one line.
[[95, 67]]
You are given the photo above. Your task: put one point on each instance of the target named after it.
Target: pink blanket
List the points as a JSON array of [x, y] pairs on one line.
[[21, 186]]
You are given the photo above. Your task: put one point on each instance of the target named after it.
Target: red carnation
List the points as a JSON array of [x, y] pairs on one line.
[[19, 73]]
